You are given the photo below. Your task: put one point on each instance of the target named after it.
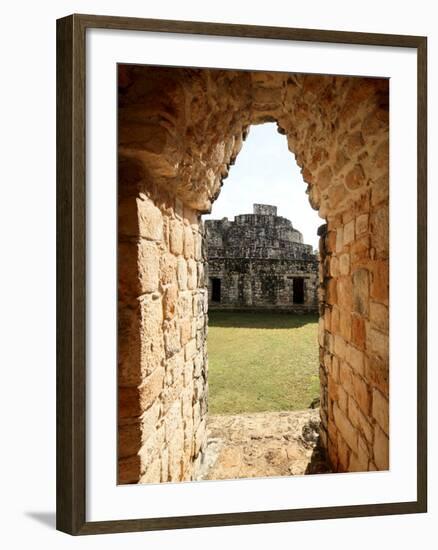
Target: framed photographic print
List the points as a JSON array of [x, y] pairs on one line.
[[241, 288]]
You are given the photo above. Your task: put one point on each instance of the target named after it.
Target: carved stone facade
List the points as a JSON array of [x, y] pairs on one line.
[[259, 261], [180, 129]]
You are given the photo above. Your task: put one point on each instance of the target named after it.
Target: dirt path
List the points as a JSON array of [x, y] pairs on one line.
[[263, 444]]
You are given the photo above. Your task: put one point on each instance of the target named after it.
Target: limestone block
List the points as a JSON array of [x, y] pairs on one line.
[[353, 143], [200, 437], [377, 372], [170, 300], [355, 178], [150, 219], [172, 342], [334, 266], [188, 373], [346, 377], [381, 449], [362, 394], [335, 320], [182, 273], [176, 454], [151, 336], [380, 231], [339, 240], [342, 399], [361, 291], [344, 264], [348, 233], [359, 462], [189, 244], [134, 401], [190, 349], [377, 342], [356, 359], [149, 266], [173, 420], [185, 326], [191, 274], [359, 420], [344, 452], [379, 316], [340, 347], [168, 268], [346, 428], [360, 250], [380, 190], [198, 246], [361, 224], [358, 333], [344, 292], [185, 304], [345, 324], [379, 290], [164, 465], [331, 295], [151, 448], [380, 410], [176, 237], [152, 473]]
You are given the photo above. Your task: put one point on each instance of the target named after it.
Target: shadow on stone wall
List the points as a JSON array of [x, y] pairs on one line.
[[260, 319]]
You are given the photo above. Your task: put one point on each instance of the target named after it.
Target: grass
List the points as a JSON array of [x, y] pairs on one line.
[[261, 361]]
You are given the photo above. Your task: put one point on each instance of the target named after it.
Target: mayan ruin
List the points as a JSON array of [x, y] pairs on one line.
[[259, 261]]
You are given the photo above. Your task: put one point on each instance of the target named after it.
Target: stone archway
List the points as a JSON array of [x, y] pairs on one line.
[[179, 132]]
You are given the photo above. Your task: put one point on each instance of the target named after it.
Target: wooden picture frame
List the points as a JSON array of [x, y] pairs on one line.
[[71, 273]]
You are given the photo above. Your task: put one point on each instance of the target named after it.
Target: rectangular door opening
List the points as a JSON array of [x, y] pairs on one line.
[[215, 289], [298, 290]]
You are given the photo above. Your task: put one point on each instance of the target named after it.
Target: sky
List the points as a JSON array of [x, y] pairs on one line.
[[266, 172]]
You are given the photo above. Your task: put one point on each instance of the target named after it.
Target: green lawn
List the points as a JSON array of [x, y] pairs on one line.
[[261, 361]]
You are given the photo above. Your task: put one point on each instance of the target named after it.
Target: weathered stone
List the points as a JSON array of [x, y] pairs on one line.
[[149, 265], [380, 410], [176, 237], [170, 300], [360, 291], [355, 177], [361, 224], [360, 420], [345, 427], [182, 273], [349, 232], [192, 274], [344, 264], [150, 219], [189, 244], [356, 359], [381, 449], [379, 316], [377, 342], [358, 334]]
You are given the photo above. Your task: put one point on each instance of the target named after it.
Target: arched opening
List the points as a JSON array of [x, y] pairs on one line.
[[263, 362], [179, 132]]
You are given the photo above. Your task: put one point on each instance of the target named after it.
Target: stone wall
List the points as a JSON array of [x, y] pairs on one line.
[[179, 131], [162, 374], [256, 258]]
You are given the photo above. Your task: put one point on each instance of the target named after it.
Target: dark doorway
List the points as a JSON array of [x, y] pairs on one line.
[[298, 290], [215, 289]]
